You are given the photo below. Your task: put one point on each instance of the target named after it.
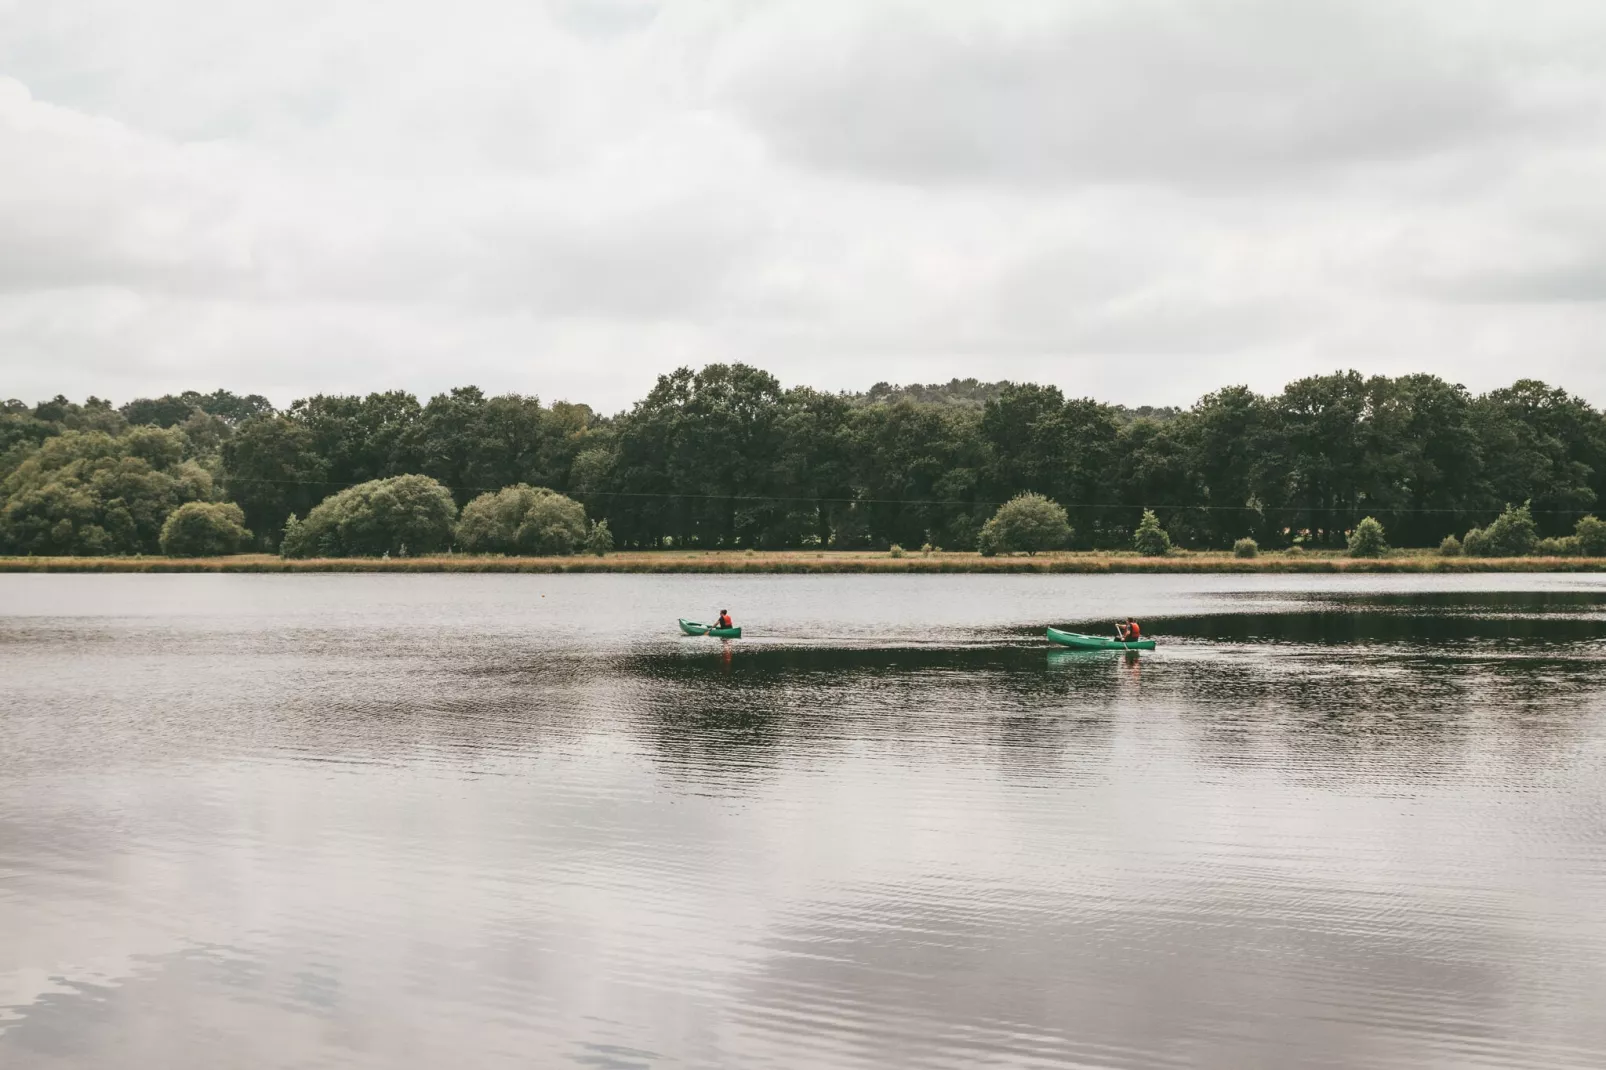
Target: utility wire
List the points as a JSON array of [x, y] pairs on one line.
[[813, 500]]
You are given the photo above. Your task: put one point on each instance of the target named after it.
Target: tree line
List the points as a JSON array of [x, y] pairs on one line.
[[726, 457]]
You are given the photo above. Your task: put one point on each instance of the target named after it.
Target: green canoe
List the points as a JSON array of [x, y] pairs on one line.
[[691, 627], [1078, 641]]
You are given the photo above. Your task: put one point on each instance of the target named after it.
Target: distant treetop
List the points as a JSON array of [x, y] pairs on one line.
[[966, 393], [974, 394], [172, 409]]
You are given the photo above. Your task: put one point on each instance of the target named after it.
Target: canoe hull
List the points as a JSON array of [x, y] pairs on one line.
[[1078, 641], [691, 627]]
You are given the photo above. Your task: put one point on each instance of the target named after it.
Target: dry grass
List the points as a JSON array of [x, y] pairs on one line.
[[813, 561]]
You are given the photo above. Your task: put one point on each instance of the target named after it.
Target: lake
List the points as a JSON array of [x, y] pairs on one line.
[[476, 821]]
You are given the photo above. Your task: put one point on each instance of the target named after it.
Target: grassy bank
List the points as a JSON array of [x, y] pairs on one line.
[[666, 561]]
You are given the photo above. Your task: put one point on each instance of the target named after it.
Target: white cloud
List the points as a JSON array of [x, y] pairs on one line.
[[1138, 200]]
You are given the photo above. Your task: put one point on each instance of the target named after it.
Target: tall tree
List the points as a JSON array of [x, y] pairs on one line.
[[1156, 470], [1424, 457], [1324, 447], [359, 438], [1037, 441], [814, 466], [917, 473], [1231, 438], [697, 457], [272, 469], [1542, 443]]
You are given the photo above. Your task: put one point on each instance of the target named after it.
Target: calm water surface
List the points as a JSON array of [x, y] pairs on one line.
[[476, 821]]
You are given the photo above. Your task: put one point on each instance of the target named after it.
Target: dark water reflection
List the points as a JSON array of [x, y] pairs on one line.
[[440, 821]]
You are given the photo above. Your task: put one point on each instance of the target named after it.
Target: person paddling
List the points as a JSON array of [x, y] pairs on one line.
[[724, 619], [1129, 632]]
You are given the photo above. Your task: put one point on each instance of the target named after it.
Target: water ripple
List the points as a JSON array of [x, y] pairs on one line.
[[430, 821]]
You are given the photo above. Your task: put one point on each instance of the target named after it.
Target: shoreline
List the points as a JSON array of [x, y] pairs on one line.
[[804, 562]]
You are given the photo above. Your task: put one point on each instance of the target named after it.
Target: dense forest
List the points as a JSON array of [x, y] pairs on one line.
[[728, 457]]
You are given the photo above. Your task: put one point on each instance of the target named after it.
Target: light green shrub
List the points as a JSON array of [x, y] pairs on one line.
[[1150, 539], [204, 529], [1027, 522], [404, 513]]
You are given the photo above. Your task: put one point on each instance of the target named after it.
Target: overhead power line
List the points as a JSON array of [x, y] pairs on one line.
[[810, 499]]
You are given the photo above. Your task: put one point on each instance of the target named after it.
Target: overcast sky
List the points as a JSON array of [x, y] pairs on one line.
[[1138, 201]]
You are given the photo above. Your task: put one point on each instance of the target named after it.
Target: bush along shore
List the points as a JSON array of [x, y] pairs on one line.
[[368, 528], [835, 561]]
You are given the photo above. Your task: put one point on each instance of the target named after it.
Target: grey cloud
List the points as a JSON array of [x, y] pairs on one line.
[[95, 204], [1193, 94], [1579, 277], [1580, 282], [677, 262], [605, 18]]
